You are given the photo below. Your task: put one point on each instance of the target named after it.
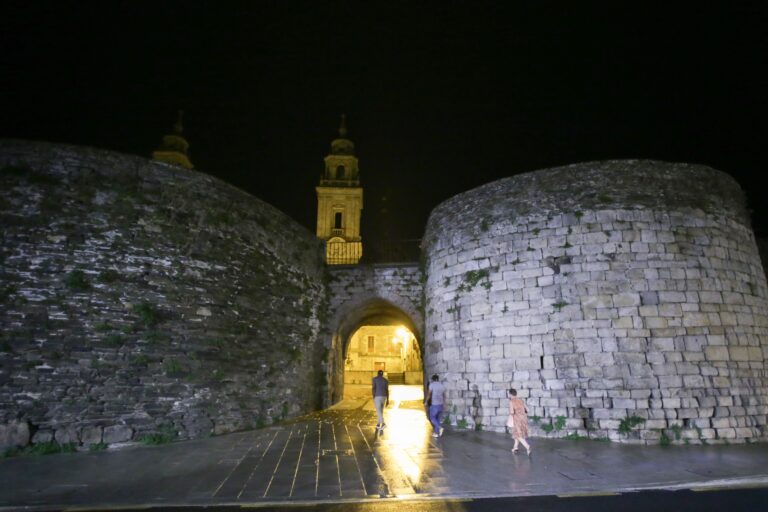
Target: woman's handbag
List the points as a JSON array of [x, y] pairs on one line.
[[510, 421]]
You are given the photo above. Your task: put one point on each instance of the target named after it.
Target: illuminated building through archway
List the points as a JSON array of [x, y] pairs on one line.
[[392, 349]]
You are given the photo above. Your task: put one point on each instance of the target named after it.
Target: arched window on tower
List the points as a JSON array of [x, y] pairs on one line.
[[337, 220], [340, 172]]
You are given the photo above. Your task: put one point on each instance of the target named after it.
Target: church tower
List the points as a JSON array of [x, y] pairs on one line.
[[174, 148], [339, 203]]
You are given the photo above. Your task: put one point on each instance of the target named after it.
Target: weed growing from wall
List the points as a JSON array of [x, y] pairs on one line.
[[47, 448], [630, 422], [109, 276], [148, 315], [139, 360], [103, 327], [165, 434], [172, 366], [77, 281], [113, 339]]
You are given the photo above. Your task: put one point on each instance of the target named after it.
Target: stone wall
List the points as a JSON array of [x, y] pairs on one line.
[[139, 298], [370, 295], [614, 295]]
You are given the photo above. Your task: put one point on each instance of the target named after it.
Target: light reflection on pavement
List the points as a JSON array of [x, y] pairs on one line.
[[337, 454]]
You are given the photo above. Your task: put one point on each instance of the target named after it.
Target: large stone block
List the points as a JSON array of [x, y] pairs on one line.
[[726, 433], [590, 372], [14, 434], [626, 299], [687, 413], [500, 365], [693, 381], [623, 403], [515, 350], [599, 359], [739, 353], [117, 434], [568, 360], [529, 363], [67, 435], [42, 436], [716, 353], [91, 435], [479, 366]]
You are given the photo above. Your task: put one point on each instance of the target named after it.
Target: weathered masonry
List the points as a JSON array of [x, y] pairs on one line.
[[611, 294], [141, 299]]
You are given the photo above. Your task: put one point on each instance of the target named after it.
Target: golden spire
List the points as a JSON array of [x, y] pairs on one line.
[[174, 149], [342, 145]]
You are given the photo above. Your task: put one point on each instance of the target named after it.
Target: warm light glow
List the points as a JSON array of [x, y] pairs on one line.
[[398, 393], [392, 348], [408, 432]]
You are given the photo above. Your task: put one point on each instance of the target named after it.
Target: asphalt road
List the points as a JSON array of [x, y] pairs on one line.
[[730, 500]]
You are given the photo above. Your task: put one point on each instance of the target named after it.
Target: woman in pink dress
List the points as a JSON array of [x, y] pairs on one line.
[[518, 421]]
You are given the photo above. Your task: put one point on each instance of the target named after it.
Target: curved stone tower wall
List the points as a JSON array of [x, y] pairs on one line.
[[620, 295], [138, 298]]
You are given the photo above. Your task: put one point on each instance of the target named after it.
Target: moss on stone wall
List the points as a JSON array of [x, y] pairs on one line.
[[603, 292], [145, 296]]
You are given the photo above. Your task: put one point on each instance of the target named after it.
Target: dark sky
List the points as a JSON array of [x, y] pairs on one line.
[[440, 97]]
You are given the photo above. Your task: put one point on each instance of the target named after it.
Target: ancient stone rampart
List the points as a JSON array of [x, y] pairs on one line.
[[623, 299], [141, 299]]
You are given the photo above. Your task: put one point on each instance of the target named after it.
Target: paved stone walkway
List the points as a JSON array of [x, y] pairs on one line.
[[338, 455]]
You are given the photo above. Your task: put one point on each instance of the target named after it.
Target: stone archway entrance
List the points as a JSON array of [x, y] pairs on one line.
[[384, 301], [375, 335]]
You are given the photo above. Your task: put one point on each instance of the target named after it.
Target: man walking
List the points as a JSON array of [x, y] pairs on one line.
[[436, 394], [380, 397]]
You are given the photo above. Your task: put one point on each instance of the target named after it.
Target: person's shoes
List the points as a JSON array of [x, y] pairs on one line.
[[435, 435], [514, 450], [529, 451], [440, 433]]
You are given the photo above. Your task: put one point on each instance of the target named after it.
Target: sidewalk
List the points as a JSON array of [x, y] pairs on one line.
[[336, 455]]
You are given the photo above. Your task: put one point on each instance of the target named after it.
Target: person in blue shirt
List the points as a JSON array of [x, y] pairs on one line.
[[435, 399]]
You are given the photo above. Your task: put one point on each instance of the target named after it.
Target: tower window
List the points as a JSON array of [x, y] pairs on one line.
[[371, 344], [340, 172], [337, 220]]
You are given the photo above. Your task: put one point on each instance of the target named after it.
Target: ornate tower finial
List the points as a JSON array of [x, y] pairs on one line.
[[179, 126], [174, 149], [343, 127]]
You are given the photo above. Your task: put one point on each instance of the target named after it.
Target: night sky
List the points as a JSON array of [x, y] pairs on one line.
[[440, 97]]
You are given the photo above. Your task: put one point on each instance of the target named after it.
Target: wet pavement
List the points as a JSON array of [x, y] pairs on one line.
[[337, 455]]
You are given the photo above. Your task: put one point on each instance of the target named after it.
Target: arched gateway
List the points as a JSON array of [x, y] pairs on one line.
[[377, 296]]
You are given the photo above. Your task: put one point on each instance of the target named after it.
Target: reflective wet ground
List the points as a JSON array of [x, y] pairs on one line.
[[733, 500], [337, 454]]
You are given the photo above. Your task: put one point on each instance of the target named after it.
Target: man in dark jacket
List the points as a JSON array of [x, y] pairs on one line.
[[380, 397]]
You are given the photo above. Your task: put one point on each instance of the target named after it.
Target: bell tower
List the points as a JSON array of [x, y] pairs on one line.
[[339, 202]]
